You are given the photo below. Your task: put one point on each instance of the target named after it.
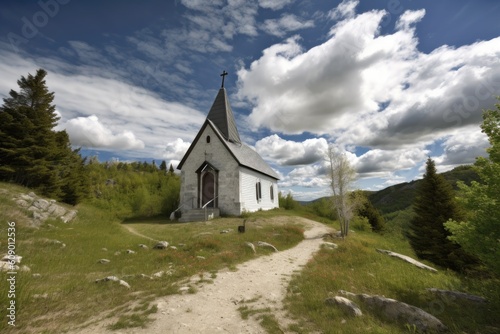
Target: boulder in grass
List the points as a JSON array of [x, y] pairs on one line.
[[346, 305], [161, 245], [265, 244]]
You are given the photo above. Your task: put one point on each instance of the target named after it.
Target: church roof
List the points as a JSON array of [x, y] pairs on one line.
[[249, 158], [222, 117]]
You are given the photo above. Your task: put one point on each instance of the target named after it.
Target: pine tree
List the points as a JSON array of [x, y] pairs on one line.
[[31, 153], [433, 206], [163, 166]]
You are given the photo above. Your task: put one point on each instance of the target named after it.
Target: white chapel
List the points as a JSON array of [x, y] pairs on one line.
[[222, 175]]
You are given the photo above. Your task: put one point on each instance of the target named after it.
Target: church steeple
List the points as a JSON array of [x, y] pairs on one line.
[[222, 116]]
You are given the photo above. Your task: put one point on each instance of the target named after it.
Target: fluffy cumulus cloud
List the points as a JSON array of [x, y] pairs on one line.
[[359, 88], [287, 152], [176, 149], [89, 132]]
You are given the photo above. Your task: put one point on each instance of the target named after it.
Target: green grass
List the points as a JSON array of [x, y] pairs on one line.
[[356, 267], [70, 296]]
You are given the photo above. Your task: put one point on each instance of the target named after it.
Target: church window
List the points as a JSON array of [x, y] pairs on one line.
[[208, 139], [258, 191], [272, 193]]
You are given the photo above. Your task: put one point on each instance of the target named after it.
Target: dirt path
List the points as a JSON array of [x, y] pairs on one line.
[[258, 284], [133, 231]]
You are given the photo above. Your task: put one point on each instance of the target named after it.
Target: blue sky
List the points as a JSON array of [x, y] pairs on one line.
[[389, 82]]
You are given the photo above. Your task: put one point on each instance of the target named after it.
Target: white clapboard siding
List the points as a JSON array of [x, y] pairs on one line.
[[248, 181]]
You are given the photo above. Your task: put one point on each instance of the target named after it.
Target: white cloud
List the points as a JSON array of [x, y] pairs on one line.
[[89, 132], [176, 149], [286, 152], [346, 9], [361, 88], [287, 23], [274, 4]]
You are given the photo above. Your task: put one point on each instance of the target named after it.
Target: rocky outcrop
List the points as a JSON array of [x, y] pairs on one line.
[[396, 311], [42, 209]]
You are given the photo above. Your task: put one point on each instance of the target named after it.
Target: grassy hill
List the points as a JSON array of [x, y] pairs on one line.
[[401, 196], [59, 290]]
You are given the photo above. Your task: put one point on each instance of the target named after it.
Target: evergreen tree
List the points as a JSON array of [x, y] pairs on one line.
[[163, 166], [171, 169], [433, 206], [31, 153]]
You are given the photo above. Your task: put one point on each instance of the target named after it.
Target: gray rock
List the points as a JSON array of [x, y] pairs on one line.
[[252, 246], [330, 245], [143, 246], [104, 261], [407, 259], [199, 257], [184, 289], [129, 251], [22, 203], [265, 244], [173, 247], [56, 210], [41, 204], [161, 245], [403, 313], [123, 283], [458, 295], [36, 275], [69, 216], [159, 274], [346, 305]]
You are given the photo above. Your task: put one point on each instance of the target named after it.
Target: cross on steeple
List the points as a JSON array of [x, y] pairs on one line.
[[223, 75]]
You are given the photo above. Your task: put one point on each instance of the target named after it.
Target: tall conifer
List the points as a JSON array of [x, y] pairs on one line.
[[433, 206], [31, 152]]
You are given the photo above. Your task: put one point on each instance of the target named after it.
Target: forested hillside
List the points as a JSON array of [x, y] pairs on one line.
[[401, 196]]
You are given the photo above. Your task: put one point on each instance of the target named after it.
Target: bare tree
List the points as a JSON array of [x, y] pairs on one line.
[[341, 175]]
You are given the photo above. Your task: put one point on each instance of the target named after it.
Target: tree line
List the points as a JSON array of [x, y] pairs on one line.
[[35, 155]]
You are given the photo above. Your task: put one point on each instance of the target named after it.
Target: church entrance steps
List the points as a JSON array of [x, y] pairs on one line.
[[194, 215]]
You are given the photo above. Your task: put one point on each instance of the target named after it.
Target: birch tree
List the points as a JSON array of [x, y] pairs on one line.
[[341, 176]]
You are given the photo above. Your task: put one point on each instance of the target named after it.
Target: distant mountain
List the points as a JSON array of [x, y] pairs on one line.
[[401, 196]]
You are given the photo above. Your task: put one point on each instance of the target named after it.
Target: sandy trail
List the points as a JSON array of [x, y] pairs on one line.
[[259, 283]]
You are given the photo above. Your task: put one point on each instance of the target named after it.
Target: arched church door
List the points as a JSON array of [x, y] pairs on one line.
[[208, 189]]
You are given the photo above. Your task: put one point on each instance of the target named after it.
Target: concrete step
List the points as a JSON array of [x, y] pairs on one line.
[[199, 215]]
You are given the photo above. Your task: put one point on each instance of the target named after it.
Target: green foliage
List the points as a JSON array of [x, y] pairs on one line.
[[323, 207], [135, 189], [479, 231], [31, 152], [375, 219], [433, 206], [287, 202]]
